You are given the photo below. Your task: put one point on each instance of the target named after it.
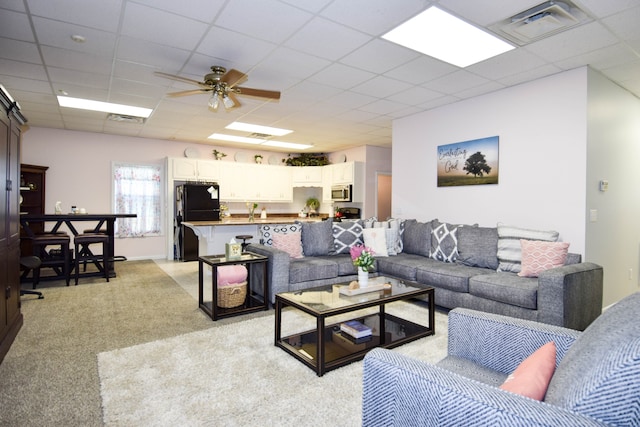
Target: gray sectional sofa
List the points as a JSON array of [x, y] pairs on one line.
[[469, 266]]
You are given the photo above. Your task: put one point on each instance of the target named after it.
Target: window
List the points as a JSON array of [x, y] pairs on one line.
[[137, 189]]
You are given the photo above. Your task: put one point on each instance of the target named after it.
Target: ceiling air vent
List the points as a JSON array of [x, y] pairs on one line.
[[544, 20], [125, 118], [260, 135]]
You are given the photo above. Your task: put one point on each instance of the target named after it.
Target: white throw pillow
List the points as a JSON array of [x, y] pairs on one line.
[[375, 238]]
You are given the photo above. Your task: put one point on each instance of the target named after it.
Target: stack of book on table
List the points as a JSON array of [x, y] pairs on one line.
[[357, 331]]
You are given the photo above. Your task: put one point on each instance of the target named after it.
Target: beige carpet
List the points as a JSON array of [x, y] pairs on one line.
[[235, 376], [50, 375]]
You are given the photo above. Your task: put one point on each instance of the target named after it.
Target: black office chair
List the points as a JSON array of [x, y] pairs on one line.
[[31, 263]]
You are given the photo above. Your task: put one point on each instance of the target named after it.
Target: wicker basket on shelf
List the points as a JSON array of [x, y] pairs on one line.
[[232, 295]]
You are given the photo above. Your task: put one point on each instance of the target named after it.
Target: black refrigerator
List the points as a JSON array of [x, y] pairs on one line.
[[194, 202]]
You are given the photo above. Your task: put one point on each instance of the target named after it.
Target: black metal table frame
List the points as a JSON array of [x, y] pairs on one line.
[[320, 366], [215, 261], [69, 219]]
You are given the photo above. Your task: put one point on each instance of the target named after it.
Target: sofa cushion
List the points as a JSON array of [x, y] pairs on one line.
[[478, 247], [540, 256], [291, 243], [417, 237], [345, 235], [509, 251], [508, 288], [402, 266], [317, 238], [598, 376], [311, 268], [454, 277], [268, 230], [444, 242]]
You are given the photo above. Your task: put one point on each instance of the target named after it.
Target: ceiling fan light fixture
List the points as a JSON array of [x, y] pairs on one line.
[[228, 102], [214, 101]]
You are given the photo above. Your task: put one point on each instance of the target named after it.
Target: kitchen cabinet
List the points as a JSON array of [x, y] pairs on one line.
[[10, 315], [186, 169], [307, 176], [257, 183], [342, 173]]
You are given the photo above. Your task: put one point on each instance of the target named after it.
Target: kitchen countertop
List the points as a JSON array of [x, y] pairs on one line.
[[258, 221]]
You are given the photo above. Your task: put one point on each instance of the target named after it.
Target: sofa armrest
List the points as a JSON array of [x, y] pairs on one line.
[[571, 295], [400, 391], [278, 268], [500, 342]]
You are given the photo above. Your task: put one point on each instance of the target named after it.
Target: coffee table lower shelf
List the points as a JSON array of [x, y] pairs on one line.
[[340, 349]]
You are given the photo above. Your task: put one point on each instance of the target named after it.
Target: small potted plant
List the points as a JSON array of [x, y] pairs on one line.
[[258, 158], [313, 204], [218, 154]]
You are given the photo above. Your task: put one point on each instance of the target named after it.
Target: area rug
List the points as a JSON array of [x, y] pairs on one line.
[[233, 375]]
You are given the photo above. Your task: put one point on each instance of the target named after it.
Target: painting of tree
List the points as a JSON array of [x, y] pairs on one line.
[[472, 162]]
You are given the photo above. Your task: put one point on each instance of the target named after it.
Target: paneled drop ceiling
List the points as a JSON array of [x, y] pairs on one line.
[[342, 85]]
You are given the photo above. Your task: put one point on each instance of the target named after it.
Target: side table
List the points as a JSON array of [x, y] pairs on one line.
[[257, 298]]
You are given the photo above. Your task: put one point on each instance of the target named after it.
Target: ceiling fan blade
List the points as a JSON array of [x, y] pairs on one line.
[[261, 93], [189, 92], [233, 77], [234, 98], [178, 78]]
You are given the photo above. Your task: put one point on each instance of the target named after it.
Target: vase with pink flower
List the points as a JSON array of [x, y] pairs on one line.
[[362, 258]]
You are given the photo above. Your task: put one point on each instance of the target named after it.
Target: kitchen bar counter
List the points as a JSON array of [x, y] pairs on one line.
[[212, 235]]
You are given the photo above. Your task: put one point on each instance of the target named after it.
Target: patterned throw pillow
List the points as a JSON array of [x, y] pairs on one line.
[[346, 234], [268, 230], [398, 225], [444, 242], [509, 249], [291, 243], [540, 256]]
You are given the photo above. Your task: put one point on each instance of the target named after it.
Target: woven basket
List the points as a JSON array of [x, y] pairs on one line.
[[233, 295]]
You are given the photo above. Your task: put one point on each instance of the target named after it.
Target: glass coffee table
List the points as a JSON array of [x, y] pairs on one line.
[[326, 347]]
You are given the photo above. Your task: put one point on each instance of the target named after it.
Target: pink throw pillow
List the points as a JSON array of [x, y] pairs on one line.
[[291, 243], [231, 274], [538, 256], [531, 378]]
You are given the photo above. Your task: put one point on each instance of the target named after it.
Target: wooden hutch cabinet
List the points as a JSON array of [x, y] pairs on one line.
[[10, 316]]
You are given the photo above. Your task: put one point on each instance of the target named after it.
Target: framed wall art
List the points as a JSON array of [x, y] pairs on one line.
[[472, 162]]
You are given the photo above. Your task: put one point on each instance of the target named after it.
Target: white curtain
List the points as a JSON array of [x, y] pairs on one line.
[[137, 189]]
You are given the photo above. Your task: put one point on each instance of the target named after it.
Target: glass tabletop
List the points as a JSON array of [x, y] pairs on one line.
[[328, 298], [219, 259]]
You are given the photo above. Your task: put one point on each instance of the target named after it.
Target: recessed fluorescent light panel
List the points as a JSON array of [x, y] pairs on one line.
[[248, 127], [436, 33], [107, 107], [258, 141]]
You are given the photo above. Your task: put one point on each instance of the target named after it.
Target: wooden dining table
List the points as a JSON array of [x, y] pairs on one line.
[[70, 219]]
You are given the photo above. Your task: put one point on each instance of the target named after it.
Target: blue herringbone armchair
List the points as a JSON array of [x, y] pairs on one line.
[[596, 381]]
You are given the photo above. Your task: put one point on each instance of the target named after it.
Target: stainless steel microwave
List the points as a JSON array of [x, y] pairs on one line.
[[341, 193]]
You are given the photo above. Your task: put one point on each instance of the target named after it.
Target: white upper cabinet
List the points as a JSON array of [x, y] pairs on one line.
[[307, 176], [194, 169]]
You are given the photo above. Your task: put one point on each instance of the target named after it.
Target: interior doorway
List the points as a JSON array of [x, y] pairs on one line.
[[383, 196]]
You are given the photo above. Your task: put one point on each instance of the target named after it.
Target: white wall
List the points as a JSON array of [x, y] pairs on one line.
[[542, 166], [613, 154]]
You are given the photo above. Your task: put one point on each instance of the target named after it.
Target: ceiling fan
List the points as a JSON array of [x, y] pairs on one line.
[[223, 86]]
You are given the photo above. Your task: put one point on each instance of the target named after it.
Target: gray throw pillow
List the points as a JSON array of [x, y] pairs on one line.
[[509, 251], [416, 238], [317, 238], [345, 235], [478, 247], [268, 230]]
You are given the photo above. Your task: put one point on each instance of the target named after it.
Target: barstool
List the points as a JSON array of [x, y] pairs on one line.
[[84, 254], [244, 238], [50, 259]]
